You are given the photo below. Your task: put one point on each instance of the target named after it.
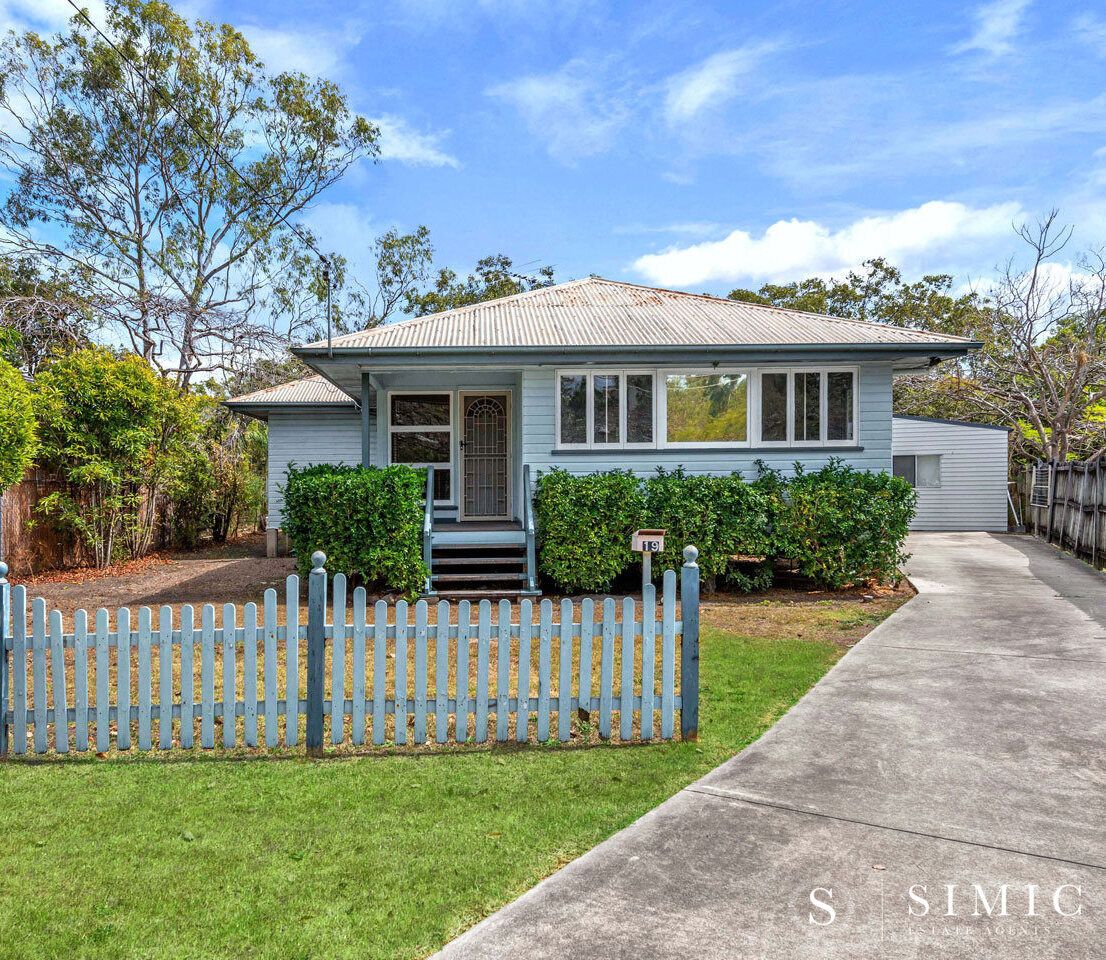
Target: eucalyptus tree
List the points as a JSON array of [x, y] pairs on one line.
[[160, 165]]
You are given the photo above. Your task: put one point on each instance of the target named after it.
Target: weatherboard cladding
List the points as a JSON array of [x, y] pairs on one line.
[[604, 313]]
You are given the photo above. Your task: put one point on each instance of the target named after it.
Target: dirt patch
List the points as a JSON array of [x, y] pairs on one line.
[[235, 573]]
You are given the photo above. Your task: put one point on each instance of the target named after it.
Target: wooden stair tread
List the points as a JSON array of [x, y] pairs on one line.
[[475, 561], [483, 575]]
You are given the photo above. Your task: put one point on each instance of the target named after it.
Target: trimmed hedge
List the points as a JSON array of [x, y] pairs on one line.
[[585, 525], [367, 520], [723, 517], [839, 525], [842, 525]]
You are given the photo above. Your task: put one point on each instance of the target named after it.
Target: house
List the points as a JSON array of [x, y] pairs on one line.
[[958, 469], [586, 375]]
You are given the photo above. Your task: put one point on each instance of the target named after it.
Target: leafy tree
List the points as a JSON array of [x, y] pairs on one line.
[[1043, 363], [222, 481], [118, 151], [879, 294], [403, 262], [40, 315], [493, 277], [119, 434], [18, 439]]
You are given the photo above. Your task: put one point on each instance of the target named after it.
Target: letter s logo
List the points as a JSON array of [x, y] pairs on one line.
[[822, 905]]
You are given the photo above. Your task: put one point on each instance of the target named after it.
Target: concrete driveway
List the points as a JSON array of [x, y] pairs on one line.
[[958, 751]]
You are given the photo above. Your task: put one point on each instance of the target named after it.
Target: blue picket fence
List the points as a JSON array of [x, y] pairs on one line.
[[365, 675]]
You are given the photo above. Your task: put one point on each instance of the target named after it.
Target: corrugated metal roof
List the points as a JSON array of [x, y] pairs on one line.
[[606, 313], [309, 390]]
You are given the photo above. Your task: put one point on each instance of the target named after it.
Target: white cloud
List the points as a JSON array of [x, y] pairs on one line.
[[45, 14], [318, 53], [713, 81], [566, 108], [997, 25], [792, 249], [400, 141], [1091, 30]]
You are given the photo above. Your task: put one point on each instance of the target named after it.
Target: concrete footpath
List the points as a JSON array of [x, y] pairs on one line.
[[955, 756]]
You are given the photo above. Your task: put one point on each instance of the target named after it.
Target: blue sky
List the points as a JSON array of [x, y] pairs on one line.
[[703, 145]]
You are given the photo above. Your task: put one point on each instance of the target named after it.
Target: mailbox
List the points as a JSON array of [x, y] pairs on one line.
[[648, 541]]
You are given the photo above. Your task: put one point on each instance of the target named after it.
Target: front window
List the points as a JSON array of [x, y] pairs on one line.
[[605, 408], [420, 434], [574, 409], [808, 408], [706, 408], [771, 406]]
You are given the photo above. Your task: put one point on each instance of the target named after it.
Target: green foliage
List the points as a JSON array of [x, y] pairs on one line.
[[18, 439], [841, 525], [41, 314], [222, 484], [493, 277], [585, 524], [838, 525], [201, 261], [120, 436], [879, 294], [367, 520], [722, 516]]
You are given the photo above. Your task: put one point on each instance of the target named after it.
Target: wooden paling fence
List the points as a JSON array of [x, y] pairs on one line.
[[1065, 504], [366, 675]]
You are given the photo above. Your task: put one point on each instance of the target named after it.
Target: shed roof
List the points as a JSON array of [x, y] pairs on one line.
[[594, 312]]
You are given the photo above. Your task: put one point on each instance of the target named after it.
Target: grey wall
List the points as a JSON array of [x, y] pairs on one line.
[[307, 438], [972, 495], [538, 437]]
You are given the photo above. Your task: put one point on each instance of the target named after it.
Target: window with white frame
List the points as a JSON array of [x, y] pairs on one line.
[[605, 409], [706, 408], [420, 434], [785, 406], [808, 407]]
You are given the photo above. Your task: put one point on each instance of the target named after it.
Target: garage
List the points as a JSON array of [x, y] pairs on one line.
[[958, 469]]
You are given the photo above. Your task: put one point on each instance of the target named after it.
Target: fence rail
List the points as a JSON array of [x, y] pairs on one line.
[[369, 674], [1065, 503]]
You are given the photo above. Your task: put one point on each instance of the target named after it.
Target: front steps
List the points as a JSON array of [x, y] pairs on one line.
[[460, 570]]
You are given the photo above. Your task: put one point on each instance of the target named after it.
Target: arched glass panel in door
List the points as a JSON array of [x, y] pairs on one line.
[[485, 456]]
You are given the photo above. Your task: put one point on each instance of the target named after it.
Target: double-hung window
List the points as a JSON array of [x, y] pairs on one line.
[[604, 409], [805, 407], [420, 434]]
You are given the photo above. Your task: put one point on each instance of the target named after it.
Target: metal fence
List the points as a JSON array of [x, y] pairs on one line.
[[1065, 503], [364, 675]]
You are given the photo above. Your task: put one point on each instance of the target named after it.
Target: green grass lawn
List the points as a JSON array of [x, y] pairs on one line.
[[358, 857]]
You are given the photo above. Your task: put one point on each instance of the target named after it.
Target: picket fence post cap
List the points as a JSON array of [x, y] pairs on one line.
[[691, 554], [318, 560], [3, 570]]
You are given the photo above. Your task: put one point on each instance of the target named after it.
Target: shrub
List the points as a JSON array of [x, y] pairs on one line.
[[368, 521], [120, 436], [585, 524], [17, 426], [841, 525], [838, 525], [722, 516]]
